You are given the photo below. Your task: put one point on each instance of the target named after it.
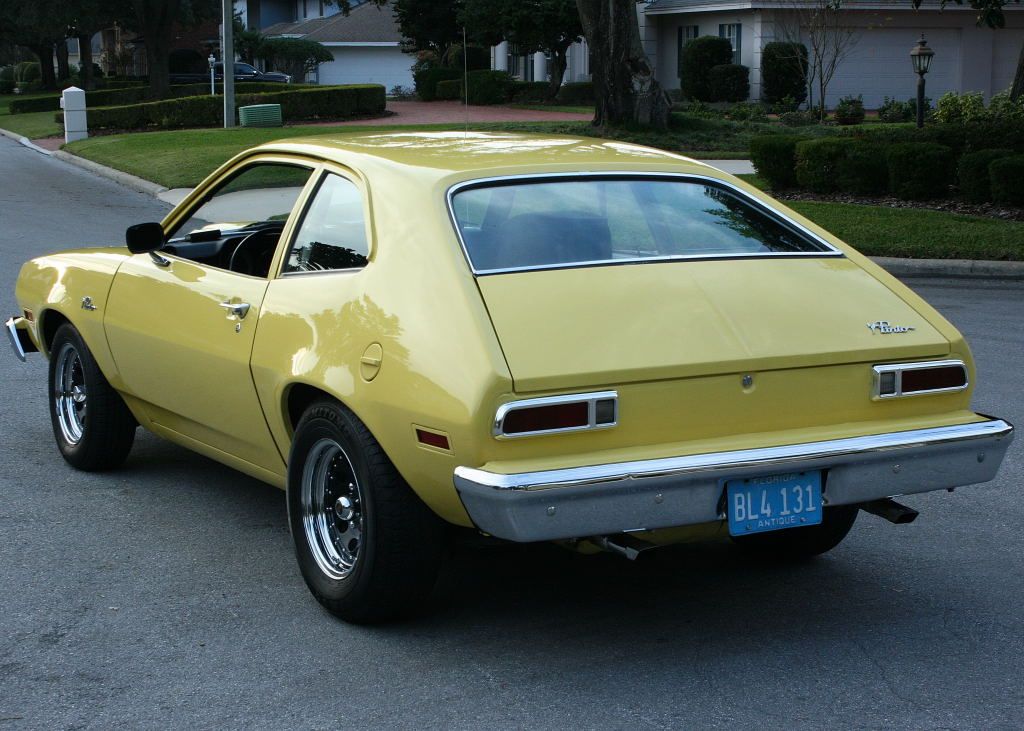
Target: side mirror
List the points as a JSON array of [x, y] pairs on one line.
[[143, 238]]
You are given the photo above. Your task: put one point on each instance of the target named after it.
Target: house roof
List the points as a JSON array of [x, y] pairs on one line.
[[680, 6], [366, 23]]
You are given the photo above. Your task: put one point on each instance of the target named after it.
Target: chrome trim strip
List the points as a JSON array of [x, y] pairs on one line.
[[898, 368], [829, 249], [736, 461], [12, 335], [591, 400]]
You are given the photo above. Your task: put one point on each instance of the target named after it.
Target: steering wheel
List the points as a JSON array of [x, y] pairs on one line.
[[248, 259]]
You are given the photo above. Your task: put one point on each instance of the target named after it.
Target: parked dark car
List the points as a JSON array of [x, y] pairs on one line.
[[243, 72]]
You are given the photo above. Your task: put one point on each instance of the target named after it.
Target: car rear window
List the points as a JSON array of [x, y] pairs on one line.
[[546, 223]]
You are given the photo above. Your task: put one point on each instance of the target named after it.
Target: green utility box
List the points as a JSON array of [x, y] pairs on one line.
[[260, 115]]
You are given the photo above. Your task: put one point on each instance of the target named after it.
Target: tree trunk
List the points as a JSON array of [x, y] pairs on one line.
[[625, 90], [157, 59], [63, 67], [45, 53], [85, 57], [1018, 79], [559, 62]]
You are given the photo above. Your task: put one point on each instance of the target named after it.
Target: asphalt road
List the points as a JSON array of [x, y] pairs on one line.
[[165, 594]]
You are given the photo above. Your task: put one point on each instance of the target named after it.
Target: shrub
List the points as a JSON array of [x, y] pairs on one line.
[[850, 110], [950, 135], [425, 81], [863, 169], [579, 93], [963, 108], [747, 113], [797, 119], [448, 89], [27, 72], [697, 59], [1006, 176], [6, 87], [729, 82], [973, 175], [488, 87], [786, 104], [919, 170], [994, 134], [774, 158], [293, 56], [893, 110], [526, 92], [784, 73], [6, 73], [817, 163]]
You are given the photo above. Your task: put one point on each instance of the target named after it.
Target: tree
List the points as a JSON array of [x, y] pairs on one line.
[[38, 26], [625, 89], [294, 56], [428, 25], [86, 18], [155, 20]]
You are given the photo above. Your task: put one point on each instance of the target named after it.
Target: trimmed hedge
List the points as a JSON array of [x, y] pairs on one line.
[[862, 169], [488, 87], [729, 82], [696, 60], [1007, 180], [526, 92], [774, 158], [448, 89], [973, 174], [817, 163], [784, 72], [920, 170], [205, 111], [994, 134], [579, 93], [425, 81], [953, 136]]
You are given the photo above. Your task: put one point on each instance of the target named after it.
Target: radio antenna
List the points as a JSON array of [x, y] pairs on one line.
[[465, 79]]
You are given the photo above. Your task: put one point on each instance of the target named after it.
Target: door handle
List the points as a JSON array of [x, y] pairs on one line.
[[238, 309]]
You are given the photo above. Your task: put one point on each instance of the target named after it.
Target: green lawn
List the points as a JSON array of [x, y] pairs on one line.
[[33, 125]]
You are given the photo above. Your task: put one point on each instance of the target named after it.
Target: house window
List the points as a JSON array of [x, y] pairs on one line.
[[732, 31], [686, 33]]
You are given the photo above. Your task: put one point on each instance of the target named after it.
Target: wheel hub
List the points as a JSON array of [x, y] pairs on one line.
[[343, 508], [332, 515]]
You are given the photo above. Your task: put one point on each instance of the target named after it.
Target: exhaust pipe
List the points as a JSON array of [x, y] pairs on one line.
[[623, 544], [890, 510]]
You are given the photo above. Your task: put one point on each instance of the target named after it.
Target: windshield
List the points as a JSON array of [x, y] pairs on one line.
[[545, 223]]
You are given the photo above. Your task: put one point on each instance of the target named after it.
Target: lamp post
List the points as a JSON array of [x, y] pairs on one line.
[[213, 88], [921, 57]]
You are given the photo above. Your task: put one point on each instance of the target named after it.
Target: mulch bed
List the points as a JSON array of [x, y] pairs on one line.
[[947, 205]]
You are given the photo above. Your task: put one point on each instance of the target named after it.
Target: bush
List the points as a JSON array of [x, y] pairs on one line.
[[862, 169], [448, 89], [973, 174], [774, 158], [204, 111], [6, 87], [994, 134], [425, 80], [850, 110], [696, 60], [27, 72], [580, 93], [488, 87], [729, 82], [919, 170], [784, 73], [893, 111], [817, 163], [949, 135], [797, 119], [746, 113], [526, 92], [6, 73], [1006, 176], [956, 108]]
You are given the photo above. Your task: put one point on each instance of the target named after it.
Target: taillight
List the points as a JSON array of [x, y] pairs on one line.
[[917, 379], [555, 414]]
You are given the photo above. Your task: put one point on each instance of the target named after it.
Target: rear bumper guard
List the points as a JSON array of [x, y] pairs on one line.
[[674, 491], [21, 343]]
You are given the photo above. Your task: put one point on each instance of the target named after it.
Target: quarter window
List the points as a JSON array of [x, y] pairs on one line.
[[333, 232]]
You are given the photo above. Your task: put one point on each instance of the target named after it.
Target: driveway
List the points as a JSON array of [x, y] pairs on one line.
[[165, 594]]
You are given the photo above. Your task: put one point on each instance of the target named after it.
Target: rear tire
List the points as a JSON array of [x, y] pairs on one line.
[[368, 548], [92, 425], [797, 543]]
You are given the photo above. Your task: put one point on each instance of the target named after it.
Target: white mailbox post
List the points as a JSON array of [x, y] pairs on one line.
[[72, 101]]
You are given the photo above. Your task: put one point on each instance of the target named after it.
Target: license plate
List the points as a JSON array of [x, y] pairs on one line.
[[758, 504]]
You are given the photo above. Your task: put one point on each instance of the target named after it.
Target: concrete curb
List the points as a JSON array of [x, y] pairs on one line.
[[25, 141], [951, 268], [129, 181]]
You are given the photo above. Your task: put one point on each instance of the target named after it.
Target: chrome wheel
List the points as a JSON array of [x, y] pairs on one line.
[[69, 393], [332, 509]]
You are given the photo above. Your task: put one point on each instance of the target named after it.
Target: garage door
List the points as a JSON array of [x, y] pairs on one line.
[[1006, 44], [368, 65], [879, 66]]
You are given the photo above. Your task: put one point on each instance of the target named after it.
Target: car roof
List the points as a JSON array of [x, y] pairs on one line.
[[460, 152]]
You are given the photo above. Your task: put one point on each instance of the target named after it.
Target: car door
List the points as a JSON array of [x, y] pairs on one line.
[[181, 330]]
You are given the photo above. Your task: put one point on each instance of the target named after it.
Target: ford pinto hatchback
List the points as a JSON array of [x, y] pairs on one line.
[[537, 338]]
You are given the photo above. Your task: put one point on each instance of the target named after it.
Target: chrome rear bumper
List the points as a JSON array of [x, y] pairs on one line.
[[674, 491], [20, 341]]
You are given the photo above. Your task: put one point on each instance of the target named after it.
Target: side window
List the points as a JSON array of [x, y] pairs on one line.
[[333, 232], [239, 224]]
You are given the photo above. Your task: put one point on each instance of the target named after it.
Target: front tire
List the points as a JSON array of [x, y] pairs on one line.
[[367, 546], [800, 543], [92, 425]]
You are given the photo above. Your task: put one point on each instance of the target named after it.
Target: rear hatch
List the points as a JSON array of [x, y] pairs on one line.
[[579, 328]]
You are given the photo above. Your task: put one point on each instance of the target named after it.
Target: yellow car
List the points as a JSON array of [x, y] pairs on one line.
[[540, 338]]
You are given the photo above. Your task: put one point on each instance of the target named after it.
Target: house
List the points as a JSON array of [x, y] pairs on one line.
[[366, 43], [876, 65]]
